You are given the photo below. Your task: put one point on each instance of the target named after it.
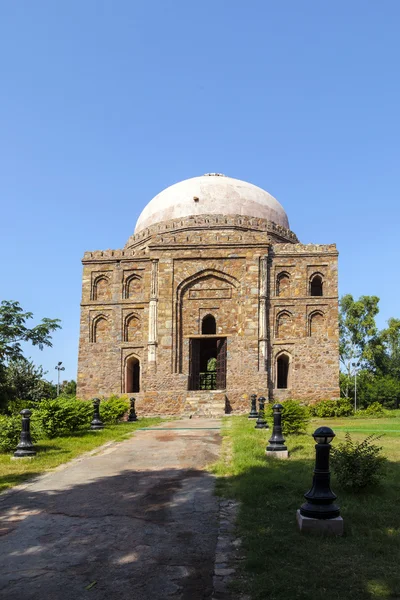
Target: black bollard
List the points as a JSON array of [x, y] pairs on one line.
[[276, 443], [97, 423], [132, 413], [320, 498], [261, 422], [253, 411], [25, 447]]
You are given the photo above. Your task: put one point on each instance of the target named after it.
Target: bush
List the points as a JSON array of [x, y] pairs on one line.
[[358, 464], [10, 432], [341, 407], [373, 410], [113, 409], [295, 416], [15, 406], [62, 416]]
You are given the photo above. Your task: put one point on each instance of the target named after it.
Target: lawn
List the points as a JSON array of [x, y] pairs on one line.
[[279, 562], [51, 453]]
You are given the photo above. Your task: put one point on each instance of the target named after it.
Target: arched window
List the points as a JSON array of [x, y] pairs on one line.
[[317, 324], [133, 286], [284, 325], [283, 285], [100, 329], [316, 285], [132, 375], [101, 290], [132, 328], [282, 371], [208, 325]]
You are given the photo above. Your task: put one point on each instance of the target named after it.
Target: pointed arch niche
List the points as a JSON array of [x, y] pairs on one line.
[[207, 284], [316, 284], [208, 325], [282, 370], [100, 329], [284, 324], [283, 284], [316, 324], [132, 374], [132, 328], [132, 286], [101, 288]]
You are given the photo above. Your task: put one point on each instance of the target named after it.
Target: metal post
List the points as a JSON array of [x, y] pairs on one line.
[[320, 498], [25, 447], [261, 423], [253, 411], [97, 423], [132, 413], [276, 443]]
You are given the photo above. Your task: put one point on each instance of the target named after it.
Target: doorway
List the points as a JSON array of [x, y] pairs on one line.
[[132, 375], [207, 363]]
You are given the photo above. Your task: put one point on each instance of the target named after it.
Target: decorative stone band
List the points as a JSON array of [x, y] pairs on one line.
[[212, 222]]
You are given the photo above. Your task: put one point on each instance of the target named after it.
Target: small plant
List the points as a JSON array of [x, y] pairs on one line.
[[358, 464], [341, 407], [373, 410], [62, 416], [295, 416], [113, 409]]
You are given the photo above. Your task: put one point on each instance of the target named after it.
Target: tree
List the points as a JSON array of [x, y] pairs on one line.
[[25, 381], [357, 329], [13, 331], [68, 388]]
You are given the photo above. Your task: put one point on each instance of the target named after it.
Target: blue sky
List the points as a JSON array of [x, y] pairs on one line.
[[104, 104]]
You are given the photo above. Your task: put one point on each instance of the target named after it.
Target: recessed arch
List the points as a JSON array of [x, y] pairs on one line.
[[132, 374], [316, 324], [283, 284], [284, 324], [208, 325], [100, 329], [132, 286], [101, 288], [132, 327], [282, 370], [316, 284]]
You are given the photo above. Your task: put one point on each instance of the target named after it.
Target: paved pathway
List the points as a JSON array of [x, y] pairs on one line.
[[137, 520]]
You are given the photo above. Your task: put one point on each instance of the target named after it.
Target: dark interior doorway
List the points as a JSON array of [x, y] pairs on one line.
[[207, 364], [132, 376], [282, 365]]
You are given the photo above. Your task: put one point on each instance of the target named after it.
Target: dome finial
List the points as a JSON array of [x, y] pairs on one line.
[[214, 175]]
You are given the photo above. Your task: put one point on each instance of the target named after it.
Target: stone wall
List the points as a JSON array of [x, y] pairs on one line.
[[149, 299]]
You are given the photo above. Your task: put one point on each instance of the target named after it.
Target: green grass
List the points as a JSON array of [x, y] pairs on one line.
[[279, 562], [51, 453]]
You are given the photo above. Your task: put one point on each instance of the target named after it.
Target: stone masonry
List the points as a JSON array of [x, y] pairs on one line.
[[274, 302]]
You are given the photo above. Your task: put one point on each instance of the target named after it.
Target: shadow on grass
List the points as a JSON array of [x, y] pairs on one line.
[[280, 562], [16, 479]]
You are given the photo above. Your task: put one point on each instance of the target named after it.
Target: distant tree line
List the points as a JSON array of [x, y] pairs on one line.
[[370, 358], [20, 379]]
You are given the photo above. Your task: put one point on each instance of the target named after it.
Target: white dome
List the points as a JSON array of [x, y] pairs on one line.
[[211, 194]]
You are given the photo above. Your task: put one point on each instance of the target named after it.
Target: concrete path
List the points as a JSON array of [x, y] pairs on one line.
[[137, 520]]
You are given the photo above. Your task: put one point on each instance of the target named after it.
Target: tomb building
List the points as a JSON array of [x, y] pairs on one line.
[[212, 298]]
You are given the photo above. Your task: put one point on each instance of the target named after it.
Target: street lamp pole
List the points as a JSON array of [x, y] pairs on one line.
[[59, 368], [355, 365]]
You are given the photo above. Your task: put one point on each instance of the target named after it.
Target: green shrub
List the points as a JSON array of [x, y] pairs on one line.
[[15, 406], [113, 409], [295, 416], [373, 410], [341, 407], [358, 464], [10, 432], [62, 416]]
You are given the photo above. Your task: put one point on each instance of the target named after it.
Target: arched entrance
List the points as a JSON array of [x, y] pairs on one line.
[[282, 368], [132, 375]]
